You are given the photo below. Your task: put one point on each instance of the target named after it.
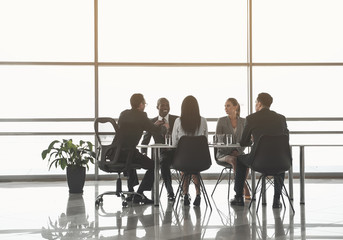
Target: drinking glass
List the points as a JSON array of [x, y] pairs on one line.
[[228, 138], [220, 139]]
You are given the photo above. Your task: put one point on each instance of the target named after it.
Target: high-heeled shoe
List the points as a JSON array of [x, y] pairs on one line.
[[186, 200], [197, 201]]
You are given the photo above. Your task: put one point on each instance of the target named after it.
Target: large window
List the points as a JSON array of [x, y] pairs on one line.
[[116, 85], [65, 62], [47, 30], [297, 31], [172, 31]]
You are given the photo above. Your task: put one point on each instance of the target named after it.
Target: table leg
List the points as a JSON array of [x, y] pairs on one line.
[[156, 192], [290, 182], [302, 175], [253, 183], [263, 191]]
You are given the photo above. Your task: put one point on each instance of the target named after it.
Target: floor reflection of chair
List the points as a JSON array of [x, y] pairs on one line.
[[169, 215], [263, 230], [239, 228], [226, 219]]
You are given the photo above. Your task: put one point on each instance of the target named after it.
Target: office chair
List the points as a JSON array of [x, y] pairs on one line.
[[108, 160], [226, 167], [192, 156], [272, 158]]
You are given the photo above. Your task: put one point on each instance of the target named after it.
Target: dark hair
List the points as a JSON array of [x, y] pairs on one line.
[[265, 99], [161, 100], [235, 103], [190, 115], [136, 99]]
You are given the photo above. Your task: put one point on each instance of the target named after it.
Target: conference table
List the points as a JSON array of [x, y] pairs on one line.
[[156, 148], [156, 156]]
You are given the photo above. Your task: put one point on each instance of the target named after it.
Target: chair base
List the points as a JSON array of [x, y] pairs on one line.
[[220, 178], [119, 193], [202, 188], [263, 190]]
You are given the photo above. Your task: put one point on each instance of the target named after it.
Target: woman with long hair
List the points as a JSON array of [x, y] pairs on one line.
[[190, 123], [232, 124]]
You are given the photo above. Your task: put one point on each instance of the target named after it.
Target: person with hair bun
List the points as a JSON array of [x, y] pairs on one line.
[[232, 124], [190, 123]]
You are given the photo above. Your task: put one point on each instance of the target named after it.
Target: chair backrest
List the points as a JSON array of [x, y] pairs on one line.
[[104, 120], [272, 155], [108, 152], [192, 154]]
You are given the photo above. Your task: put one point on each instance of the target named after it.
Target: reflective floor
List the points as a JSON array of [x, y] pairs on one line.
[[47, 211]]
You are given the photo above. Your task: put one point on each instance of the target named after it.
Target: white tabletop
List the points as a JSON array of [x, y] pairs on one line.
[[162, 145]]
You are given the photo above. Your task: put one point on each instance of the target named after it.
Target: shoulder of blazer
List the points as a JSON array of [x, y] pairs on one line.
[[222, 120], [241, 120], [154, 119], [172, 118]]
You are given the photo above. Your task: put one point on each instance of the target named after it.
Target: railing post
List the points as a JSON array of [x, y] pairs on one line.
[[290, 178], [302, 175]]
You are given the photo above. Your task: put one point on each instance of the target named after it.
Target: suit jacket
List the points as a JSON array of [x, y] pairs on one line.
[[224, 126], [131, 124], [158, 137], [263, 122]]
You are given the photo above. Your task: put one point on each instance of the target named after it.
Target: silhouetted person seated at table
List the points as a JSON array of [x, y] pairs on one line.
[[232, 124], [262, 122], [166, 123], [191, 124], [132, 122]]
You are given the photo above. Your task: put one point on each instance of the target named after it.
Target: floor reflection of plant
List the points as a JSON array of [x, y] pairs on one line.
[[64, 228], [71, 225]]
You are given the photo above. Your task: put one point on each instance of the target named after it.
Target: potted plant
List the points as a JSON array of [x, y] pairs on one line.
[[74, 157]]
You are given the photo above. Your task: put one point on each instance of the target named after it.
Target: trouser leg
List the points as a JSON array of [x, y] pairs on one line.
[[278, 185], [241, 170], [166, 162], [132, 179], [148, 164]]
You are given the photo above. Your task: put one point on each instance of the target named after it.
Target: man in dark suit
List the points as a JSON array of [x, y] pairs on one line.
[[132, 122], [163, 118], [262, 122]]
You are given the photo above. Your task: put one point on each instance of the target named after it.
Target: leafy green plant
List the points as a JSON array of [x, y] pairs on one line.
[[66, 153]]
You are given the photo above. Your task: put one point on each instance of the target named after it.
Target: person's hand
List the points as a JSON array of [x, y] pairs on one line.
[[158, 123], [234, 153], [166, 125]]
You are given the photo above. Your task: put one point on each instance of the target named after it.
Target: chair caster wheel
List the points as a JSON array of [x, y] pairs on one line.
[[98, 202], [124, 204]]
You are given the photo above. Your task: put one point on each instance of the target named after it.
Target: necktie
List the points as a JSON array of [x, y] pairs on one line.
[[164, 129]]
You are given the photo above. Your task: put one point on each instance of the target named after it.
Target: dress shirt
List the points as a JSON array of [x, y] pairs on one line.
[[166, 118], [178, 131]]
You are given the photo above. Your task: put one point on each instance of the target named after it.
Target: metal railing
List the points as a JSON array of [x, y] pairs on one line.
[[91, 133]]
